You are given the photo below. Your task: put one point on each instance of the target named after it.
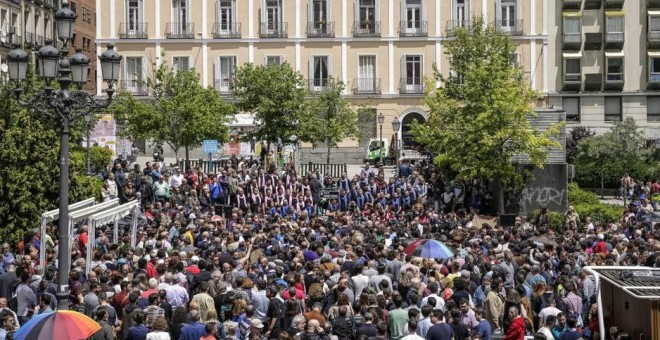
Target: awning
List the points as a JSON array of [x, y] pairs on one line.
[[614, 54], [574, 55], [653, 13], [654, 53], [572, 14], [614, 13]]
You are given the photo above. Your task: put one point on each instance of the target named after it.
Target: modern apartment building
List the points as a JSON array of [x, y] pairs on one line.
[[381, 49], [605, 62], [30, 23]]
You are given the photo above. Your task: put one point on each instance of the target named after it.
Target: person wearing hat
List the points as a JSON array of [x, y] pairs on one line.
[[256, 326]]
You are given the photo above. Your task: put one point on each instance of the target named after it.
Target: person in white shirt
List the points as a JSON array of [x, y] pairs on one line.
[[177, 179], [412, 327], [550, 321], [551, 310]]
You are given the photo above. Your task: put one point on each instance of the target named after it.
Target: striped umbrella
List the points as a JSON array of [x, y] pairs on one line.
[[58, 325], [430, 249]]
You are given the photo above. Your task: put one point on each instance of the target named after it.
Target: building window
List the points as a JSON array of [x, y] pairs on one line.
[[319, 12], [225, 14], [134, 14], [654, 69], [134, 73], [180, 64], [572, 70], [412, 74], [180, 12], [413, 14], [367, 73], [614, 27], [224, 73], [572, 29], [366, 12], [366, 18], [461, 13], [612, 109], [273, 60], [571, 106], [653, 109], [654, 24], [508, 15], [319, 71], [73, 7], [273, 16], [614, 69]]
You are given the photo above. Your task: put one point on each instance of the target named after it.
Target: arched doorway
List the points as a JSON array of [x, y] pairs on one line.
[[406, 128]]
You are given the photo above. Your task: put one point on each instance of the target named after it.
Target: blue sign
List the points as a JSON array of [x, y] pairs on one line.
[[210, 146]]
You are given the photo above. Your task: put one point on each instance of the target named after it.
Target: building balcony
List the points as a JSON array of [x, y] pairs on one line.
[[363, 86], [227, 31], [572, 82], [593, 82], [454, 25], [571, 4], [652, 4], [593, 41], [593, 4], [414, 85], [318, 84], [137, 30], [135, 87], [614, 40], [513, 27], [274, 30], [654, 81], [321, 29], [572, 41], [13, 39], [413, 29], [29, 38], [224, 86], [180, 30], [614, 81], [366, 29], [614, 4]]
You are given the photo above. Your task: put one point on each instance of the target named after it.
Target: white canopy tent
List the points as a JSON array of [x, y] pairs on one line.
[[83, 214], [50, 216], [105, 217]]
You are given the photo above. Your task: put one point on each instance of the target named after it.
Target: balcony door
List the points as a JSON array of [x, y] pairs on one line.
[[225, 10], [508, 15], [367, 73], [134, 73], [319, 16], [366, 15], [224, 73], [320, 72], [412, 16], [134, 17], [412, 66], [180, 17], [273, 17], [461, 13]]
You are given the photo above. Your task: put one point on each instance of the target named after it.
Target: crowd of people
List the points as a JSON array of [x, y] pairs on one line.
[[253, 253]]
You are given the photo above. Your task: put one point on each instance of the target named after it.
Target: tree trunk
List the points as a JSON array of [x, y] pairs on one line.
[[602, 186], [327, 155], [187, 158]]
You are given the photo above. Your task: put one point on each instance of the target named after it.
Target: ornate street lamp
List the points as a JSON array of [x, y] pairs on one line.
[[65, 107], [381, 120], [396, 125]]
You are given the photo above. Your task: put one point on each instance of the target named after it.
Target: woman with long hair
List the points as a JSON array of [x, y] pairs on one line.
[[178, 320]]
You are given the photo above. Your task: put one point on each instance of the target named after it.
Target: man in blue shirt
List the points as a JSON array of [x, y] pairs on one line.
[[139, 331], [195, 329], [440, 330], [483, 330]]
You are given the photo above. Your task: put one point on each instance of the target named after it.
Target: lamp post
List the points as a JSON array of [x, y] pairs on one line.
[[396, 125], [65, 106], [381, 120]]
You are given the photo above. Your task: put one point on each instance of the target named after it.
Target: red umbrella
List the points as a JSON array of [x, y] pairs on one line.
[[411, 247]]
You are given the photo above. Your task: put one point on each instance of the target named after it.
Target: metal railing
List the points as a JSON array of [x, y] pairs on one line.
[[136, 30], [454, 25], [274, 30], [180, 30], [227, 31], [411, 85], [136, 87], [29, 38], [513, 27], [366, 86], [224, 86], [366, 28], [334, 170], [318, 84], [321, 29], [410, 28]]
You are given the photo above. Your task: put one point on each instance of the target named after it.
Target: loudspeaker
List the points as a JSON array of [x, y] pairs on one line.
[[507, 220]]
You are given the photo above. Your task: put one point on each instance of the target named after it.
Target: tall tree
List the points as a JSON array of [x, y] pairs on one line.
[[332, 119], [479, 117], [179, 112], [577, 134], [275, 94], [29, 174]]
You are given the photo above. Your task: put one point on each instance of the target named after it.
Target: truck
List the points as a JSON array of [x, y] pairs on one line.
[[378, 149]]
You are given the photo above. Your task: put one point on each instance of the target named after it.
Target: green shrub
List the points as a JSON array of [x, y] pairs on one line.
[[579, 196], [601, 212], [557, 219]]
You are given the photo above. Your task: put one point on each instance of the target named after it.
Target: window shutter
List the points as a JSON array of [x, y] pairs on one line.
[[404, 70], [377, 11], [310, 12], [217, 75], [403, 12], [263, 12], [357, 11], [310, 69], [330, 66]]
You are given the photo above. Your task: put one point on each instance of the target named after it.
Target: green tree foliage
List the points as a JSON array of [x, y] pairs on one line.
[[479, 118], [331, 119], [603, 159], [577, 134], [275, 94], [179, 111], [29, 174]]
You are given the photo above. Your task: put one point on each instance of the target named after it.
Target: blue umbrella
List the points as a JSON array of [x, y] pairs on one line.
[[431, 249]]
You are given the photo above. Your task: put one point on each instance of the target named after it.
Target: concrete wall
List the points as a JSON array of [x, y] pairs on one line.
[[547, 189]]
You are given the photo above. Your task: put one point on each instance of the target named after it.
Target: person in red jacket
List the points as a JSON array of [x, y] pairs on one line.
[[517, 329]]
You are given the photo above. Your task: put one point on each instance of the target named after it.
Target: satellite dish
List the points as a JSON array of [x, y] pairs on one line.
[[4, 68]]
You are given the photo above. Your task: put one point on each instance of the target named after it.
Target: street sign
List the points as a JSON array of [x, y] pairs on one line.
[[210, 146]]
